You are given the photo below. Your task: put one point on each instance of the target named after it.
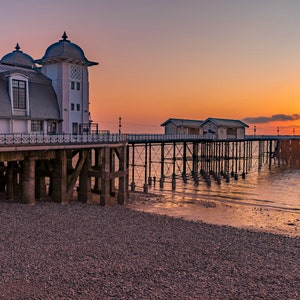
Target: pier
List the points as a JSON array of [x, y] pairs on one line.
[[162, 158], [64, 167], [57, 167]]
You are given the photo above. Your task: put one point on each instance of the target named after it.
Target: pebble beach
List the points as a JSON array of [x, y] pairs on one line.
[[80, 251]]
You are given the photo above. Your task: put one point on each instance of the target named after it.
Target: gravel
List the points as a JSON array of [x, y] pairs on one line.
[[79, 251]]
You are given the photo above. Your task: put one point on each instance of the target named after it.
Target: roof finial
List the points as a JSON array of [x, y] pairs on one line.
[[17, 47], [64, 36]]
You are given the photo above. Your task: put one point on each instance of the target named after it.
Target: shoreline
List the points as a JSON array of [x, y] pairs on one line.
[[256, 218], [87, 251]]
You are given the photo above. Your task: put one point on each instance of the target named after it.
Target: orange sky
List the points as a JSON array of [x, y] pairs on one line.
[[189, 59]]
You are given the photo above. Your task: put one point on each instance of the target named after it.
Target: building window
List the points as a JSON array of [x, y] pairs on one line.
[[36, 126], [72, 106], [52, 126], [75, 128], [78, 107], [19, 94], [231, 131], [74, 85]]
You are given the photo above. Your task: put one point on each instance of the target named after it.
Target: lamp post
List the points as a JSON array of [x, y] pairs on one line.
[[120, 124]]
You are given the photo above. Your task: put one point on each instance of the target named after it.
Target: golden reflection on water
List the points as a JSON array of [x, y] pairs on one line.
[[267, 199]]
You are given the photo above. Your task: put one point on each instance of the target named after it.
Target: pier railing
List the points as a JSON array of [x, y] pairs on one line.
[[135, 138], [152, 138], [42, 139]]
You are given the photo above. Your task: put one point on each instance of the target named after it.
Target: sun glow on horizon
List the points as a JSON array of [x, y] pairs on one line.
[[163, 59]]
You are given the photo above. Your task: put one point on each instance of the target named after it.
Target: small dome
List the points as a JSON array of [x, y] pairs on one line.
[[18, 58], [65, 50]]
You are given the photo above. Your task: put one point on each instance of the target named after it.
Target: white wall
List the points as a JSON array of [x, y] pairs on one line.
[[241, 133], [170, 128], [4, 126], [222, 133], [19, 126], [210, 130]]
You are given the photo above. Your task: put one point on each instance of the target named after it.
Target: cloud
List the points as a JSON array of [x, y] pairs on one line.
[[274, 118]]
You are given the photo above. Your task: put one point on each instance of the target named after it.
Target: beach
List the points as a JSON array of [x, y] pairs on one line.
[[80, 251], [253, 217]]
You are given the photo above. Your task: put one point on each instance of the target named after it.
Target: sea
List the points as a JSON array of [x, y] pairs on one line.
[[266, 186]]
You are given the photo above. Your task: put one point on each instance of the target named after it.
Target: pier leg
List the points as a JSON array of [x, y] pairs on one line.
[[105, 180], [162, 166], [2, 177], [270, 154], [59, 192], [122, 194], [28, 181], [112, 169], [173, 182], [195, 158], [146, 167], [145, 189], [132, 185], [84, 190], [40, 185], [10, 181], [97, 184]]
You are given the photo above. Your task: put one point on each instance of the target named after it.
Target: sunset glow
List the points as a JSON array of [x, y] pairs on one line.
[[172, 58]]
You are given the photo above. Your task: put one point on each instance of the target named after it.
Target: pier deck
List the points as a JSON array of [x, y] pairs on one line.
[[37, 166]]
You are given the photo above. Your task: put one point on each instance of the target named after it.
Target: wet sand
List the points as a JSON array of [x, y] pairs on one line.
[[286, 222]]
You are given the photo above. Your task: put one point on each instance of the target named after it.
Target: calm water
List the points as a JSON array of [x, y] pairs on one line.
[[270, 188], [276, 188]]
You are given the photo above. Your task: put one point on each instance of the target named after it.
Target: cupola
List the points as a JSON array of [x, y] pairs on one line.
[[18, 58], [65, 50]]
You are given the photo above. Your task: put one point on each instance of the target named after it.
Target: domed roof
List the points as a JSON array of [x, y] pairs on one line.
[[65, 50], [18, 58]]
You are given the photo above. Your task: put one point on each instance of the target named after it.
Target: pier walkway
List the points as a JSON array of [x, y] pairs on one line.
[[37, 166]]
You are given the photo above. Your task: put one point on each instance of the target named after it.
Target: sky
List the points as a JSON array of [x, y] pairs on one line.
[[161, 59]]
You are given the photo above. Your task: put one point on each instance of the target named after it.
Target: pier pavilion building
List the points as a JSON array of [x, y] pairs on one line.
[[182, 126], [211, 128], [221, 129], [48, 95]]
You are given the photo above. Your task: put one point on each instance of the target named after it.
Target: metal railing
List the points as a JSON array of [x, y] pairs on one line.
[[164, 137], [51, 139], [142, 138], [43, 139]]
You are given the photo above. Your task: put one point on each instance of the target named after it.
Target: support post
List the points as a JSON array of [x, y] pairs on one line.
[[40, 183], [10, 181], [195, 158], [59, 192], [122, 193], [184, 161], [28, 181], [162, 166], [97, 184], [84, 191], [146, 162], [270, 154], [105, 180], [132, 170]]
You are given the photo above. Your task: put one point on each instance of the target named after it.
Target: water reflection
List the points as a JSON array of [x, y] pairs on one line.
[[273, 188]]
